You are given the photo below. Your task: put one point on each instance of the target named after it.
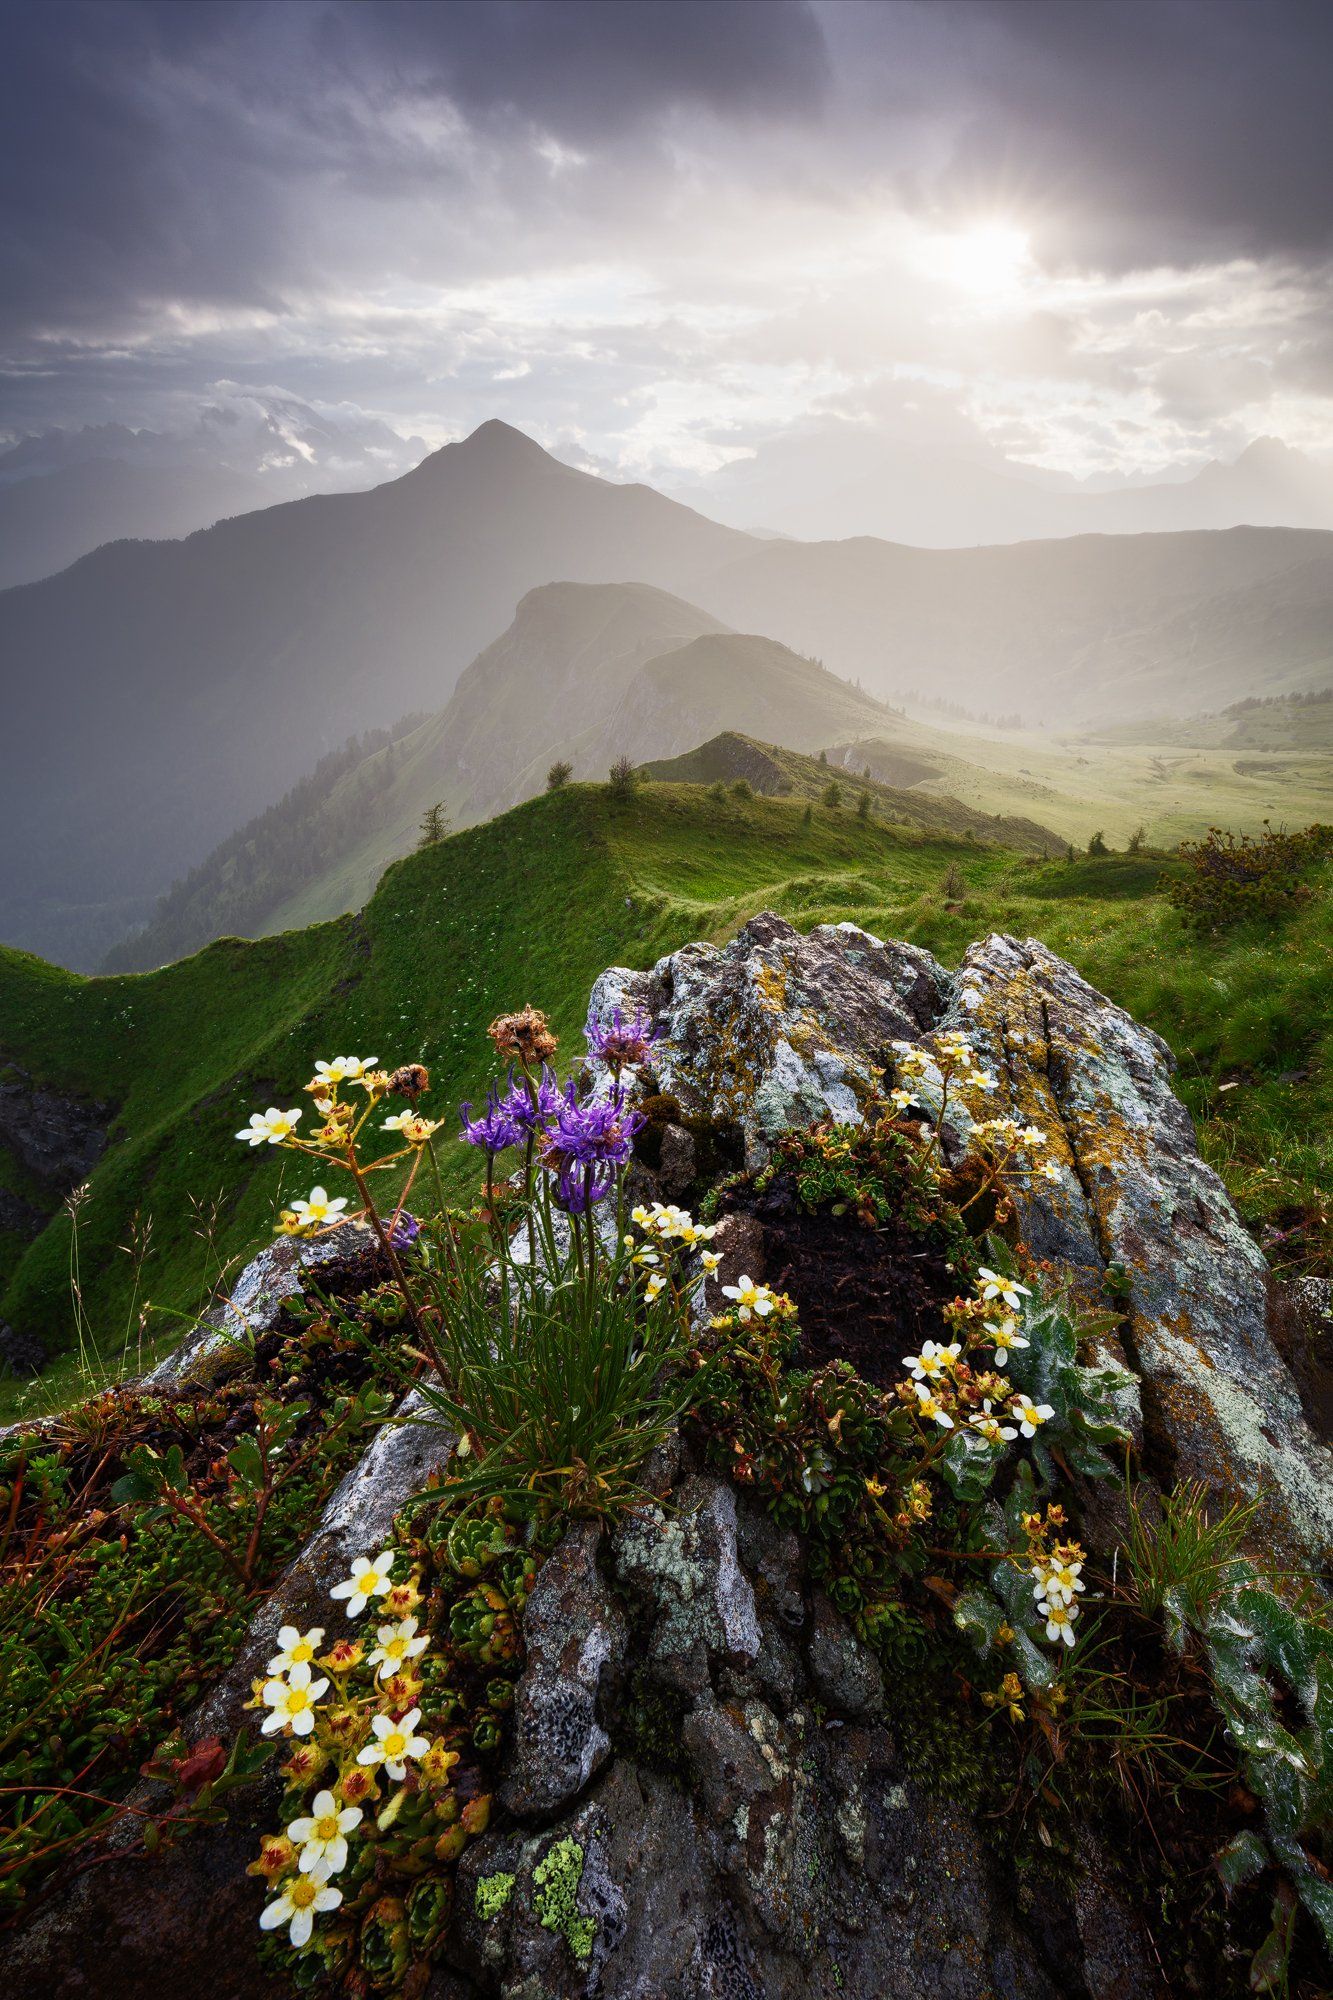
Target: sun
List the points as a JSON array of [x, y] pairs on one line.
[[988, 259]]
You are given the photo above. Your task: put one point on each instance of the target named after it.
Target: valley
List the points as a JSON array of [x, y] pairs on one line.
[[198, 681]]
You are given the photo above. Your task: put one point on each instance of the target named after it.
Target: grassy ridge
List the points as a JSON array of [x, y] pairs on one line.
[[533, 906]]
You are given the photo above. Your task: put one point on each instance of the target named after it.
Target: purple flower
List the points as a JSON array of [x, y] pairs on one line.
[[624, 1043], [405, 1231], [496, 1129], [530, 1108], [598, 1133], [579, 1188]]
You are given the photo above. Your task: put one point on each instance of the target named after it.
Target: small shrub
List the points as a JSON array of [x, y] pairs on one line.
[[1231, 876], [435, 825], [863, 806], [1136, 840], [742, 789], [559, 775], [1097, 845], [622, 778], [833, 794]]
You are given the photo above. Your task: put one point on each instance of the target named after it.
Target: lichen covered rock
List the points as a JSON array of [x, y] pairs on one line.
[[779, 1029]]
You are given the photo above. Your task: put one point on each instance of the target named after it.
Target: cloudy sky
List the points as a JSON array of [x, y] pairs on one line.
[[1092, 236]]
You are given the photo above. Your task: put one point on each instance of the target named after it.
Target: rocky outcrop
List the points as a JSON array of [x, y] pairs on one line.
[[777, 1027], [775, 1843], [219, 1343], [709, 1792], [57, 1139]]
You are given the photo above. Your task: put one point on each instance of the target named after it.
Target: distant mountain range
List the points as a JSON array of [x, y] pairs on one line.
[[844, 481], [157, 696], [64, 493]]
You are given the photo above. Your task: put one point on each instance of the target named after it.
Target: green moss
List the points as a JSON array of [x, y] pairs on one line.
[[557, 1876], [493, 1893]]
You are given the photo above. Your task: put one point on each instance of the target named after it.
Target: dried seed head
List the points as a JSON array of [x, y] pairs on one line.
[[410, 1081], [523, 1037]]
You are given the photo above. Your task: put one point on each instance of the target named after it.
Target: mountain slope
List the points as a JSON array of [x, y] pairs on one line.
[[158, 694], [51, 519], [585, 672], [1062, 630], [783, 774], [534, 905], [530, 905]]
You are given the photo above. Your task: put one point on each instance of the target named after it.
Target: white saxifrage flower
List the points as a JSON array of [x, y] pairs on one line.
[[295, 1649], [322, 1837], [302, 1898], [750, 1298], [271, 1127], [397, 1644], [394, 1743], [993, 1285], [291, 1702], [1029, 1416], [1061, 1579], [1059, 1619], [931, 1363], [927, 1406], [319, 1208], [368, 1579], [1004, 1333]]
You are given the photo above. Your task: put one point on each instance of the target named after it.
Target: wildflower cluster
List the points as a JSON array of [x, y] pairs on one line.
[[953, 1382], [583, 1143], [386, 1781], [1056, 1569], [669, 1236], [349, 1741]]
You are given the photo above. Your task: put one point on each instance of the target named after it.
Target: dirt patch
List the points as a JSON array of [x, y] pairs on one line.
[[868, 1296], [1300, 1323]]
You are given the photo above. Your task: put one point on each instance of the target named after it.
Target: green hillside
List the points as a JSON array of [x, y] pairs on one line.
[[533, 906], [783, 773]]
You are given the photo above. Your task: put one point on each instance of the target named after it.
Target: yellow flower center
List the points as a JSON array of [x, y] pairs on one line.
[[395, 1743], [396, 1648], [301, 1652], [326, 1828], [298, 1701], [302, 1892], [370, 1582]]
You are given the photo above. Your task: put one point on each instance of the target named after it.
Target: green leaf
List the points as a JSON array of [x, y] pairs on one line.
[[969, 1465], [247, 1463], [1241, 1860]]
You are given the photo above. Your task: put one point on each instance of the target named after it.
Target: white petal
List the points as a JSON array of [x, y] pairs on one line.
[[302, 1925], [274, 1914]]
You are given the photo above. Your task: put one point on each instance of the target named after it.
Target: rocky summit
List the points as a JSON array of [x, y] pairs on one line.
[[709, 1784]]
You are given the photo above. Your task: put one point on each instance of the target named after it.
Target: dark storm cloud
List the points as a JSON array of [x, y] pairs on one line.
[[1153, 130], [150, 148], [586, 70]]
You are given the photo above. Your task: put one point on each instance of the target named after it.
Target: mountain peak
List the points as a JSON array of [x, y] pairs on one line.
[[495, 439], [494, 446], [1270, 451]]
